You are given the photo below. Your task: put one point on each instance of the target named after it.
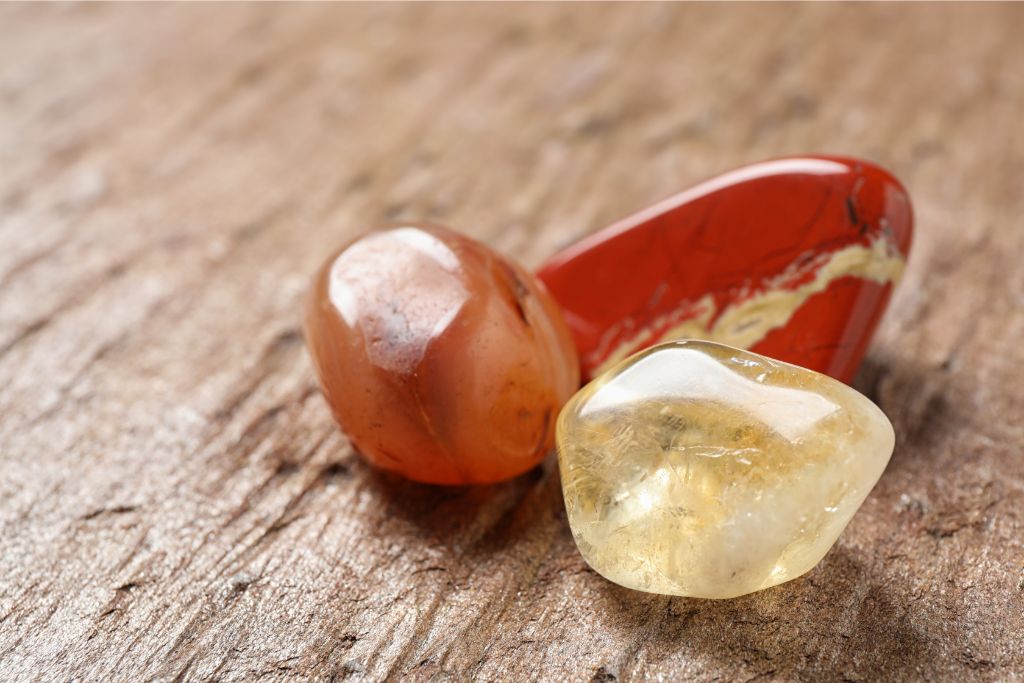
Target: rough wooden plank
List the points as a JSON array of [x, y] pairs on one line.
[[174, 499]]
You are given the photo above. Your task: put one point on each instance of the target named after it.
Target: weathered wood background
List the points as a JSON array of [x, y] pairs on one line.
[[175, 501]]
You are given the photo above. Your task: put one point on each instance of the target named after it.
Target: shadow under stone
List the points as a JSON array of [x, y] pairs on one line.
[[479, 519], [835, 623]]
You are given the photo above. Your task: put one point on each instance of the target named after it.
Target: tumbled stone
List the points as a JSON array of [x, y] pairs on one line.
[[441, 360], [698, 469], [793, 258]]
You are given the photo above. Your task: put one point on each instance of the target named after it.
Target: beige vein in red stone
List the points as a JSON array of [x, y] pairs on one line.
[[754, 314]]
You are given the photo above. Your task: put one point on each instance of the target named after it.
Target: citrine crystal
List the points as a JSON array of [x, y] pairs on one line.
[[697, 469]]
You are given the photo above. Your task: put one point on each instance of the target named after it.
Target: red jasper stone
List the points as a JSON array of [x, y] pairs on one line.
[[792, 258]]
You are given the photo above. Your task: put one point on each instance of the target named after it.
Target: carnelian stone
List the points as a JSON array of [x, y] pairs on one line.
[[441, 360], [793, 258]]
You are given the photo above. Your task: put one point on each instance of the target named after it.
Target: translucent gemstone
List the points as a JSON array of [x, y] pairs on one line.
[[698, 469], [441, 360]]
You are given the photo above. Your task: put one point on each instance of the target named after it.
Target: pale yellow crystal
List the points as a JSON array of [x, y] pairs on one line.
[[694, 468]]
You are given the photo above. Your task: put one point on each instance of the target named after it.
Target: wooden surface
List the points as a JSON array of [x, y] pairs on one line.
[[175, 501]]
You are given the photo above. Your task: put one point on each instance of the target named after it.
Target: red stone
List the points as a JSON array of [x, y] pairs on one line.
[[729, 259]]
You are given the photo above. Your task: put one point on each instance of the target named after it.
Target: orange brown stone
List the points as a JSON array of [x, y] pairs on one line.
[[441, 360]]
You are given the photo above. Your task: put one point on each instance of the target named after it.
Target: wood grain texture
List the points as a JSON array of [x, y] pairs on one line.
[[175, 501]]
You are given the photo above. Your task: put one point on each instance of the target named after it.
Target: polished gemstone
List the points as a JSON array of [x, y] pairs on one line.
[[697, 469], [441, 360], [793, 258]]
